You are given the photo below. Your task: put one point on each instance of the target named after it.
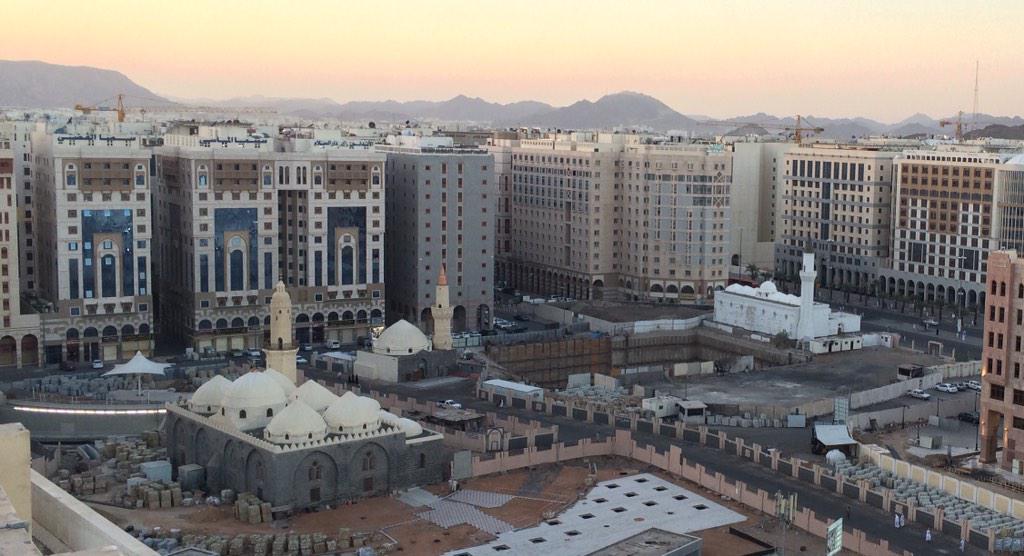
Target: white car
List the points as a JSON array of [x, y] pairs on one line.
[[254, 353], [97, 363], [919, 394], [333, 344], [974, 385], [946, 387], [450, 404], [301, 360]]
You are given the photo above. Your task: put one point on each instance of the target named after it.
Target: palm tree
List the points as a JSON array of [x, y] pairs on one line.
[[753, 271]]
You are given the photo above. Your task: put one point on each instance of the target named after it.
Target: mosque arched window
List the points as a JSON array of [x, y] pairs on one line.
[[369, 461], [241, 414], [270, 412]]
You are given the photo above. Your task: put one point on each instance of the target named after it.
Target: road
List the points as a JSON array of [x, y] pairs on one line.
[[872, 521]]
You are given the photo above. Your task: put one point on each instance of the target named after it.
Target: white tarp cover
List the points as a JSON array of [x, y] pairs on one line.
[[833, 435], [139, 365]]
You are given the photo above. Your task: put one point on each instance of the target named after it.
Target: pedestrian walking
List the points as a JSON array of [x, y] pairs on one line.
[[928, 535], [963, 545], [896, 521], [903, 521]]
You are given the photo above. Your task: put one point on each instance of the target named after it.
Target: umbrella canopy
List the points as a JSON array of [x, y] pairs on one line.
[[139, 365]]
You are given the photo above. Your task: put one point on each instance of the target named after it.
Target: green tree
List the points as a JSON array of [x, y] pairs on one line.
[[753, 271]]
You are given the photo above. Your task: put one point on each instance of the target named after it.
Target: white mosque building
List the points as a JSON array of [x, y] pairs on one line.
[[298, 447], [768, 311]]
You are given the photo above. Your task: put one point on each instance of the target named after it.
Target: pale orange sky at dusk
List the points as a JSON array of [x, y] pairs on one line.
[[885, 60]]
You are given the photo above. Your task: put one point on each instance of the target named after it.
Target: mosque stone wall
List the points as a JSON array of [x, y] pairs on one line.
[[301, 478]]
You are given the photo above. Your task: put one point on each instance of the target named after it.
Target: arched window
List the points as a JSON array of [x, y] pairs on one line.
[[423, 461], [268, 176], [270, 412], [369, 461], [71, 176], [237, 262], [241, 414], [347, 265], [315, 471]]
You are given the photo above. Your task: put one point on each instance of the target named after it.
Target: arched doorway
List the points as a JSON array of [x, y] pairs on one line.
[[29, 350], [459, 319], [8, 351]]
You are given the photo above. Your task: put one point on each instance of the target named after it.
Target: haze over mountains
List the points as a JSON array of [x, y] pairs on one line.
[[31, 84]]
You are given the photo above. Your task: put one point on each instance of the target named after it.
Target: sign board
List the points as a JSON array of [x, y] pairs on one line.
[[834, 538], [840, 410]]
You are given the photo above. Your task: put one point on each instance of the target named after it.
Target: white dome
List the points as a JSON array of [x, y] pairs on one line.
[[287, 386], [835, 457], [411, 428], [208, 396], [296, 423], [388, 418], [313, 394], [252, 400], [401, 338], [768, 287], [352, 414]]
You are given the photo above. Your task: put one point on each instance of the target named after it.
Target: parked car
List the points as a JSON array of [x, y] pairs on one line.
[[301, 360], [946, 387], [521, 318], [919, 394], [450, 404], [930, 322], [307, 347], [97, 363], [974, 385], [254, 353], [333, 344], [969, 417], [960, 386], [237, 353]]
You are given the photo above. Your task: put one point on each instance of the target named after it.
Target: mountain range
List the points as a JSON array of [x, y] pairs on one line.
[[31, 84]]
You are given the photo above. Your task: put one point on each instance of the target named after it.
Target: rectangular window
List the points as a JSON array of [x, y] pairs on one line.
[[73, 278], [268, 272], [204, 273], [996, 392]]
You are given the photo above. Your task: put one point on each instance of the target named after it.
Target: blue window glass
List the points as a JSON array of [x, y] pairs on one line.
[[268, 271], [108, 276], [234, 221], [73, 278], [345, 217], [237, 270], [204, 273], [318, 268], [108, 222], [142, 276], [346, 265], [376, 266]]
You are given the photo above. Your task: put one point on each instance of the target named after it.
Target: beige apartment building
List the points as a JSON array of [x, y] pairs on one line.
[[837, 201], [1002, 393], [951, 208], [237, 211], [92, 245], [19, 334], [588, 215]]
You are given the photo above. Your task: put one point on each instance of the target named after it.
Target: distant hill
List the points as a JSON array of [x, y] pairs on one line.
[[619, 109], [459, 108], [997, 131], [29, 84]]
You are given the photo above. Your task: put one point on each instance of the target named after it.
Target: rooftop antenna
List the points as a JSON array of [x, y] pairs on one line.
[[976, 66]]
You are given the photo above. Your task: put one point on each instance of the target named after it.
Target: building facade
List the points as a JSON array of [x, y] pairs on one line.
[[441, 203], [836, 200], [951, 209], [238, 213], [587, 215], [92, 245], [1002, 393], [756, 188], [19, 334]]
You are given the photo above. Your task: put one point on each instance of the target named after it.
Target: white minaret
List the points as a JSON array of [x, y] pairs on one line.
[[442, 313], [281, 351], [804, 326]]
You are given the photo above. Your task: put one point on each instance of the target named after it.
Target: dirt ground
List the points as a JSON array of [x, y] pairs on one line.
[[545, 490]]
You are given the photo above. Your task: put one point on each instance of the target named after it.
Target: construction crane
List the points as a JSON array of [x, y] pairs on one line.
[[958, 123], [119, 108], [798, 130]]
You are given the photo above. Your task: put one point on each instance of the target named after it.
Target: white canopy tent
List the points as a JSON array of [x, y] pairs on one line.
[[139, 365]]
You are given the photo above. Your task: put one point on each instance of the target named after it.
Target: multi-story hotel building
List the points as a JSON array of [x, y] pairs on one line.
[[19, 334], [757, 184], [837, 201], [20, 135], [951, 209], [237, 211], [441, 203], [607, 215], [92, 241], [1002, 393]]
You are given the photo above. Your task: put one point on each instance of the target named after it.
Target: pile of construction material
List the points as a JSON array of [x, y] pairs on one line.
[[112, 461], [267, 544], [152, 495], [83, 484], [250, 509]]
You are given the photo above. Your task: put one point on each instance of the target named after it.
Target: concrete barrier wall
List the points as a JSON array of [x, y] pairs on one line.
[[911, 413], [893, 391], [61, 518], [959, 488], [961, 369]]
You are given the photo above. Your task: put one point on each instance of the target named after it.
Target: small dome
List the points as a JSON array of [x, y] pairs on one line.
[[768, 287], [208, 396], [296, 423], [411, 428], [313, 394], [287, 386], [280, 295], [401, 338], [835, 457], [253, 389], [352, 414], [388, 418]]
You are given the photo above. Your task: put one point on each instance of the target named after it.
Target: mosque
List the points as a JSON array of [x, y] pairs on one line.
[[297, 447]]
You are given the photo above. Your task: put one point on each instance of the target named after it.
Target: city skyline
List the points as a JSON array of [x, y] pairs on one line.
[[724, 60]]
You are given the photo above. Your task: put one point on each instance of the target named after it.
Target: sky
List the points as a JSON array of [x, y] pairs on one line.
[[880, 59]]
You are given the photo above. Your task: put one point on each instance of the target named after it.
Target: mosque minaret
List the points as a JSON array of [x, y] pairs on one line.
[[442, 313], [281, 350]]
